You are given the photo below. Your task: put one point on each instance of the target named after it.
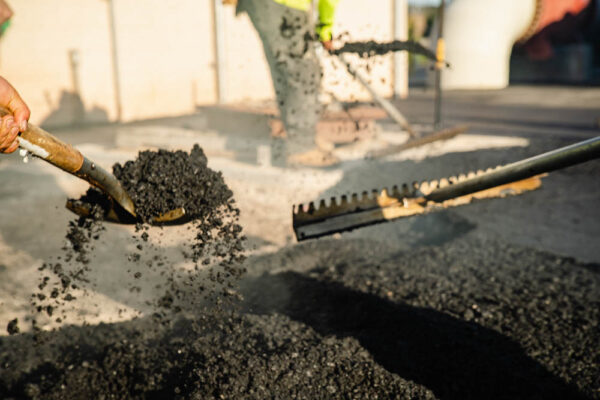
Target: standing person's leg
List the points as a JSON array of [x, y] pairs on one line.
[[295, 70], [298, 63], [279, 148]]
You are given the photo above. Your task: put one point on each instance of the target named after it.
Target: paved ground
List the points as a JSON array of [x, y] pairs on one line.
[[516, 269]]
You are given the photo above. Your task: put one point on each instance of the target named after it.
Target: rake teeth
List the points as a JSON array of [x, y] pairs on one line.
[[366, 200], [422, 197], [348, 212], [346, 204]]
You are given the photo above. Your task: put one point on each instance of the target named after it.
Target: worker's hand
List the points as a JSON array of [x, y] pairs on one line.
[[14, 122], [327, 45], [5, 12], [230, 2], [9, 132]]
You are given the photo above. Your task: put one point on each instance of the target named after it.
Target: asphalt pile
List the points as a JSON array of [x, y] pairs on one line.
[[469, 319], [225, 357], [460, 317]]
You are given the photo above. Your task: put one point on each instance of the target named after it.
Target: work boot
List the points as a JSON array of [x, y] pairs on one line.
[[324, 144], [313, 158]]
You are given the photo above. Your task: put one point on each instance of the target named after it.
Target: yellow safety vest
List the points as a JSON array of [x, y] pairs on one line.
[[326, 14]]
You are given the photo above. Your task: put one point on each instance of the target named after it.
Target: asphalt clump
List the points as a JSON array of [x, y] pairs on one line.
[[157, 182], [372, 48]]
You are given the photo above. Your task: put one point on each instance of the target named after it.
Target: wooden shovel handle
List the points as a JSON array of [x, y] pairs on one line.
[[60, 154], [48, 147]]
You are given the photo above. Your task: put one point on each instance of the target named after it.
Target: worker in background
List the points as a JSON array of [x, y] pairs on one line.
[[14, 122], [288, 35]]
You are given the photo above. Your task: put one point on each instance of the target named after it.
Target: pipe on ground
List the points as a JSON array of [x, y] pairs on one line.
[[479, 36]]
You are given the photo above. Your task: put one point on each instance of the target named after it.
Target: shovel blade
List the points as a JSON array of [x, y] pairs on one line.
[[113, 212]]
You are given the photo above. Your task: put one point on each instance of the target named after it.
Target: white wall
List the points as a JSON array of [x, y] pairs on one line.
[[34, 55], [166, 56], [165, 53]]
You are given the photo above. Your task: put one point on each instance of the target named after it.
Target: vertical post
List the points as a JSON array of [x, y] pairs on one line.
[[115, 59], [79, 112], [220, 61], [440, 55], [74, 64], [401, 57]]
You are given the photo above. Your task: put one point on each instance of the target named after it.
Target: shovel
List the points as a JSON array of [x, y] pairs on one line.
[[64, 156]]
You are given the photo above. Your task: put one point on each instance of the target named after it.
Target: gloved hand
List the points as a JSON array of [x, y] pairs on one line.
[[327, 44]]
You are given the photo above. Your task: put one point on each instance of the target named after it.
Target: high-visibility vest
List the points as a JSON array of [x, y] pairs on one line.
[[326, 14]]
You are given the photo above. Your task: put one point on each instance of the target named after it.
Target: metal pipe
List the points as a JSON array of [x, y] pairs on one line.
[[401, 58], [550, 161], [220, 56], [468, 24], [439, 52], [115, 59]]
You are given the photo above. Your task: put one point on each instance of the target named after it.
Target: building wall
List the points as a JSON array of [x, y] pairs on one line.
[[246, 71], [34, 56], [165, 56], [59, 55]]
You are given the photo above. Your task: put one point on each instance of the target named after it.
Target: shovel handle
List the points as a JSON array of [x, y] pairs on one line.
[[44, 145], [66, 157]]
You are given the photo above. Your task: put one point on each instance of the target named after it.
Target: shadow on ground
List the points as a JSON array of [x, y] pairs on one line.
[[454, 358], [376, 174]]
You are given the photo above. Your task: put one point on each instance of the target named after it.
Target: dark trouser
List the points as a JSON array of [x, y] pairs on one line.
[[285, 33]]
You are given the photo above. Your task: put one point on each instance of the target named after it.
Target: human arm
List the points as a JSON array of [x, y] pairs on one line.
[[15, 121], [326, 20]]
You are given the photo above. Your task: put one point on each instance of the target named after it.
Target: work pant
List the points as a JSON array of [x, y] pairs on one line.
[[285, 33]]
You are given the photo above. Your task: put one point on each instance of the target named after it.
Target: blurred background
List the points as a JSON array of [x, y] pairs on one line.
[[95, 61]]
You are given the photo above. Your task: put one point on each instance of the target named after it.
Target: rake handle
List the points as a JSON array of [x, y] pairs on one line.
[[543, 163]]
